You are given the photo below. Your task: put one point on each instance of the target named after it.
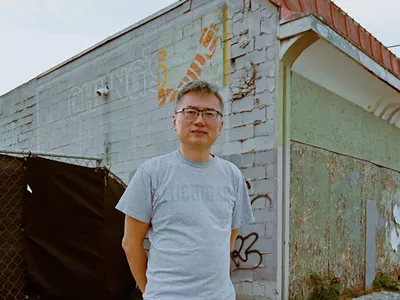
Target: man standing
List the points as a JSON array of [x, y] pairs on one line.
[[195, 203]]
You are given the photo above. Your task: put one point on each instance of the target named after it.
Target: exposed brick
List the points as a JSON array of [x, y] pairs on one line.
[[241, 133], [268, 25], [265, 157], [256, 115], [264, 186], [271, 52], [240, 27], [266, 68], [256, 57], [270, 112], [254, 172], [244, 104], [270, 229], [271, 171], [246, 160], [258, 289], [231, 148], [124, 145], [170, 37], [258, 143], [264, 129], [237, 51], [264, 99], [253, 19], [259, 228], [192, 28], [246, 288]]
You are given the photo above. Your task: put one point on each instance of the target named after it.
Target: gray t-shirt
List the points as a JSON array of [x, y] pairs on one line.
[[192, 208]]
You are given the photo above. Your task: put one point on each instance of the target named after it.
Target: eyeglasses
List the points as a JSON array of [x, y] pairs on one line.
[[193, 113]]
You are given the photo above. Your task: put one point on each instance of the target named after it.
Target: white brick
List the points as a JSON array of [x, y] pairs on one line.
[[192, 28], [240, 27], [231, 148], [185, 44], [254, 172], [124, 145], [271, 171], [256, 115], [244, 104], [266, 68], [246, 160], [270, 112], [265, 157], [98, 141], [246, 288], [258, 143], [264, 215], [241, 133], [270, 230], [237, 51], [264, 129], [258, 289], [264, 99], [271, 52], [268, 25], [254, 18], [170, 37], [265, 186], [248, 228], [261, 85], [144, 140]]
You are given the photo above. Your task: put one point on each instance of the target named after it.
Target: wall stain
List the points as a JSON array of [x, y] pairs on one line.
[[328, 196]]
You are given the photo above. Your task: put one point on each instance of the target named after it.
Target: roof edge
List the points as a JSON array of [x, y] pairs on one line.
[[343, 24]]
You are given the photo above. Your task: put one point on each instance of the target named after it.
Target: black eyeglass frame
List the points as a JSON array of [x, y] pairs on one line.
[[200, 111]]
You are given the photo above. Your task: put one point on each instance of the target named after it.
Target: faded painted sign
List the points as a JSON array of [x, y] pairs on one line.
[[198, 55]]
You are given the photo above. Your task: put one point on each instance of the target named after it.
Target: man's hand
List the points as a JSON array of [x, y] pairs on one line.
[[234, 234], [132, 243]]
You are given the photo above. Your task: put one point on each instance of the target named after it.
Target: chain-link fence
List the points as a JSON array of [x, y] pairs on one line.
[[12, 188], [11, 244]]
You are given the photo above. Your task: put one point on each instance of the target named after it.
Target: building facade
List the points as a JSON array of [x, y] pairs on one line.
[[312, 118]]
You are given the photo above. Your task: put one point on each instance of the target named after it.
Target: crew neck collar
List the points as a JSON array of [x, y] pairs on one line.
[[195, 163]]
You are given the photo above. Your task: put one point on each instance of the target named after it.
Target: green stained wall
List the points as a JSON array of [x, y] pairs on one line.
[[329, 191], [323, 119]]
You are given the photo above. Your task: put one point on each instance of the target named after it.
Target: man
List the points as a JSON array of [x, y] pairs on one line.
[[195, 203]]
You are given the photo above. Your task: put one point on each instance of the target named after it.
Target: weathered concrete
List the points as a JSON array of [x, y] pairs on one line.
[[335, 179]]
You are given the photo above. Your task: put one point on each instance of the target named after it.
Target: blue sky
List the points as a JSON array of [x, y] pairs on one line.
[[39, 34]]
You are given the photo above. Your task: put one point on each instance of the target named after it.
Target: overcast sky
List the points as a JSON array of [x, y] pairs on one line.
[[39, 34]]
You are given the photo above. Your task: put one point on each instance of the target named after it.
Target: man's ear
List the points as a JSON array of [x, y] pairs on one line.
[[174, 122], [220, 127]]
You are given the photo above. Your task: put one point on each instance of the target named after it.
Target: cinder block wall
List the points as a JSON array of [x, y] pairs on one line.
[[233, 44]]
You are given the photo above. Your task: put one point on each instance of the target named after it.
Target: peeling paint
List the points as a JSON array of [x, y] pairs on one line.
[[328, 203], [396, 214], [394, 239]]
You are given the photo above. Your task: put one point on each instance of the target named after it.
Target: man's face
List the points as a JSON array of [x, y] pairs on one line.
[[198, 132]]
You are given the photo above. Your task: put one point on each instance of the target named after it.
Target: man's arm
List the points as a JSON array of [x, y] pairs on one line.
[[132, 243], [233, 237]]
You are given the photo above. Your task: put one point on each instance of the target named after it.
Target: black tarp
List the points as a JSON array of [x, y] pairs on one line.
[[72, 233]]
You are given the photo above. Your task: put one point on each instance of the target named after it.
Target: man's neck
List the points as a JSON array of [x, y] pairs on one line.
[[196, 154]]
